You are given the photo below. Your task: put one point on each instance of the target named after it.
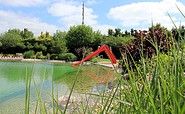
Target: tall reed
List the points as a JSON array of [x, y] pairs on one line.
[[27, 95], [28, 87]]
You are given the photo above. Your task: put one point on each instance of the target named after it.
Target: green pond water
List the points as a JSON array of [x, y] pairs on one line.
[[13, 82]]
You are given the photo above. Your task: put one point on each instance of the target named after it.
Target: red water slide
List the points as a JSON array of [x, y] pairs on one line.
[[102, 48]]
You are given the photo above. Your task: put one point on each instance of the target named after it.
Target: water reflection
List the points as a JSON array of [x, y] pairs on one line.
[[89, 78], [17, 71], [13, 76], [13, 79]]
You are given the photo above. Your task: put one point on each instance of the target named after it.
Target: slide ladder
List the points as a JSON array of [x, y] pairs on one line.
[[101, 49]]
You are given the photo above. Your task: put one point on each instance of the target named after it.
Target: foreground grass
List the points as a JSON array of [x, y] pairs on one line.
[[155, 86]]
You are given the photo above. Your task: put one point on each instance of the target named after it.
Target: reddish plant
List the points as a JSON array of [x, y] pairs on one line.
[[146, 43]]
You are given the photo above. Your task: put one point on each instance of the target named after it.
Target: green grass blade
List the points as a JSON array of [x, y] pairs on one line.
[[180, 11], [41, 105], [27, 97]]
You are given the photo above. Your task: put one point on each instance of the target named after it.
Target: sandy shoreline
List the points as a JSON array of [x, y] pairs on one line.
[[105, 64], [31, 60]]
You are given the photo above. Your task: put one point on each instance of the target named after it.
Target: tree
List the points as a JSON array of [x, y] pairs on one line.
[[0, 44], [0, 40], [26, 34], [59, 34], [98, 38], [79, 36], [58, 43], [179, 34], [39, 46], [115, 43], [132, 32], [127, 33], [117, 32], [110, 32], [12, 41], [45, 36], [14, 31]]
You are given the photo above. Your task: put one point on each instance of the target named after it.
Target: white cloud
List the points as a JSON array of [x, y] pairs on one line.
[[140, 15], [103, 28], [11, 20], [91, 2], [70, 13], [23, 2]]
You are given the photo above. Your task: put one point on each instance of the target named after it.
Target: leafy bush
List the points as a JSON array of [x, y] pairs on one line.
[[67, 57], [29, 54], [53, 56], [48, 56], [94, 59], [116, 42], [39, 55]]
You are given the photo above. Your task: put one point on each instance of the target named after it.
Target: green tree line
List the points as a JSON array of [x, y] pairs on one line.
[[67, 45]]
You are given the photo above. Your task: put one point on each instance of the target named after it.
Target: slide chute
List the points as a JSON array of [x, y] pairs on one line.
[[101, 49]]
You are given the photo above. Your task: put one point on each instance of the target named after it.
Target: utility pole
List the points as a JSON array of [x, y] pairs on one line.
[[83, 13]]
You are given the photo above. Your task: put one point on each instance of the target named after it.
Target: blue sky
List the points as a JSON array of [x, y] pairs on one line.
[[52, 15]]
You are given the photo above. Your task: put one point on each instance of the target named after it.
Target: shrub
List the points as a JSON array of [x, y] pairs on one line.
[[29, 54], [146, 44], [48, 56], [67, 57], [39, 55], [94, 59], [53, 56]]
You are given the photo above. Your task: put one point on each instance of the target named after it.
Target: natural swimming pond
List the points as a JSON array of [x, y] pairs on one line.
[[13, 82]]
